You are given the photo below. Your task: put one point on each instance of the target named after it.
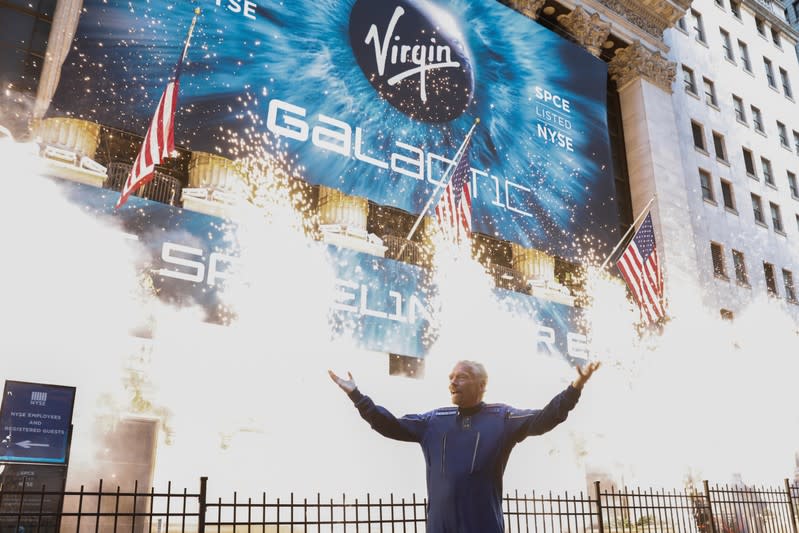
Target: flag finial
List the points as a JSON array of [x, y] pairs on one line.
[[196, 10]]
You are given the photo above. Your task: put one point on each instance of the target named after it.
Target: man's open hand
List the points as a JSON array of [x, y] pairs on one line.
[[584, 374], [347, 385]]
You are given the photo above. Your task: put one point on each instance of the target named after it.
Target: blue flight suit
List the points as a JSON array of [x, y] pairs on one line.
[[466, 451]]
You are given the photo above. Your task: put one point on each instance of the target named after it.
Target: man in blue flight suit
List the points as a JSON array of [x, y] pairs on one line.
[[467, 447]]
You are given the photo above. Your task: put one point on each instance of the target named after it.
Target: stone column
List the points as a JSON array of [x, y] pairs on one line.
[[589, 30], [538, 268], [342, 220], [70, 134], [528, 7], [533, 264], [65, 22], [214, 173], [644, 81]]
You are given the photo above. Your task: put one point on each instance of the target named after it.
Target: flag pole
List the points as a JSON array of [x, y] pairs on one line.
[[188, 37], [443, 181], [644, 211]]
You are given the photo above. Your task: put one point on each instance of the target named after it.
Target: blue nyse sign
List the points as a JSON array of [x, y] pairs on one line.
[[35, 421]]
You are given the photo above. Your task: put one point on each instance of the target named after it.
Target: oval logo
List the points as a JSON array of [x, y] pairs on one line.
[[414, 56]]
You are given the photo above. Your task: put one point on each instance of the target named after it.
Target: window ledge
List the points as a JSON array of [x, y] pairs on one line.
[[761, 224], [724, 162], [780, 232], [710, 201], [691, 93], [761, 132], [745, 123], [771, 185], [743, 284], [731, 210], [753, 176], [794, 197], [703, 43], [731, 61], [721, 277], [702, 151], [714, 106]]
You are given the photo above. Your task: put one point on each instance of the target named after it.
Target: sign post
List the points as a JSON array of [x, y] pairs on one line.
[[35, 434]]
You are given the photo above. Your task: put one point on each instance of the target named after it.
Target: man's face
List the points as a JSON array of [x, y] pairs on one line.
[[465, 388]]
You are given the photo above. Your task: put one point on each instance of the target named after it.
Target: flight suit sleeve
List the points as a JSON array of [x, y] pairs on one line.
[[409, 428], [527, 422]]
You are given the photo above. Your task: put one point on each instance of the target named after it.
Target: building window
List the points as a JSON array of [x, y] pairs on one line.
[[790, 290], [681, 24], [776, 217], [771, 279], [757, 209], [792, 185], [699, 27], [727, 44], [768, 174], [775, 37], [739, 263], [710, 92], [735, 7], [749, 162], [699, 136], [738, 104], [743, 50], [720, 3], [769, 73], [760, 24], [796, 141], [783, 133], [727, 195], [786, 83], [706, 182], [718, 146], [690, 81], [757, 119], [717, 254]]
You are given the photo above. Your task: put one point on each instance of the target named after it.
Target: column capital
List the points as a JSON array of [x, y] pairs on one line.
[[531, 8], [588, 30], [652, 16], [635, 61]]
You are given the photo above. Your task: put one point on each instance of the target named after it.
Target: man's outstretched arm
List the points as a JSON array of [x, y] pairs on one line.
[[409, 428], [539, 421]]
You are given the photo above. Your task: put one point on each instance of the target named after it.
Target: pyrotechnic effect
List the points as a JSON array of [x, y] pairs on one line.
[[250, 404]]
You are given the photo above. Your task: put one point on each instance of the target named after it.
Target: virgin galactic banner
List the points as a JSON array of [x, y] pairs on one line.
[[380, 304], [371, 97]]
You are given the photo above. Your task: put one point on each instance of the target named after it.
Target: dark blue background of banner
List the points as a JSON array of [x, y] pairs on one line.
[[367, 313], [526, 189]]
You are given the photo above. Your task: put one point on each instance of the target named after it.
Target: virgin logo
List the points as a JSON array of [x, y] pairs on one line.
[[425, 57], [413, 54]]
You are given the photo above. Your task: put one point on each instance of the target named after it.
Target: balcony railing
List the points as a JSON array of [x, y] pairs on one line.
[[402, 249], [163, 187]]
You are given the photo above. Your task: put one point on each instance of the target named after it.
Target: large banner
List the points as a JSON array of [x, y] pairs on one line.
[[381, 304], [371, 97]]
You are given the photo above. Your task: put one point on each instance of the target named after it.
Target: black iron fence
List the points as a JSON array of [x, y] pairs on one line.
[[710, 509]]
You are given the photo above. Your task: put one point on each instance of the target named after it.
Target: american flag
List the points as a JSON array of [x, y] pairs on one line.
[[159, 141], [641, 270], [454, 209]]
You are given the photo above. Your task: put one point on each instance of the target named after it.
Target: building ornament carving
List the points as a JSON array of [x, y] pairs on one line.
[[588, 30], [652, 16], [530, 8], [635, 61]]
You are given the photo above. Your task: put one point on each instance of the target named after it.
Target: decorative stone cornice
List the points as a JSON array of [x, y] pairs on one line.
[[652, 16], [635, 62], [588, 30], [528, 7]]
